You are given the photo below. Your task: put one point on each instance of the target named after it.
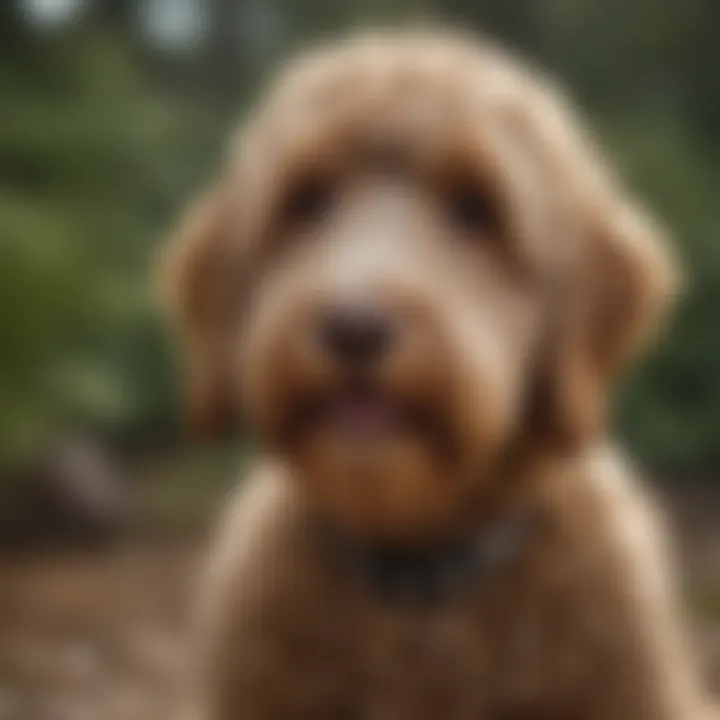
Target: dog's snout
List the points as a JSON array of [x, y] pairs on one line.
[[357, 334]]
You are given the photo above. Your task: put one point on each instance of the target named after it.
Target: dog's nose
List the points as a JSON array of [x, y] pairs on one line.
[[357, 334]]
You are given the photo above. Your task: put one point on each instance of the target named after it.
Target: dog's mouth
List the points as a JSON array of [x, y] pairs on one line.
[[362, 413], [366, 413]]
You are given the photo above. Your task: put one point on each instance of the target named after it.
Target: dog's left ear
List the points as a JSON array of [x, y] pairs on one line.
[[623, 281], [199, 280]]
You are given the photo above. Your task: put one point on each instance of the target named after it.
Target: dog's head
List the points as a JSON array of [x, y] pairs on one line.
[[414, 262]]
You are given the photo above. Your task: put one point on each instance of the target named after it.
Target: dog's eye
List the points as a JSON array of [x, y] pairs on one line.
[[470, 210], [308, 202]]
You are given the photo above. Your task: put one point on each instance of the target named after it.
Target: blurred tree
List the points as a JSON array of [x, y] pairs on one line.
[[702, 71], [91, 159], [518, 22]]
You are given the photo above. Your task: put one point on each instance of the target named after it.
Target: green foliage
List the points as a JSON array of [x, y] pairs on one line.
[[92, 159], [671, 411]]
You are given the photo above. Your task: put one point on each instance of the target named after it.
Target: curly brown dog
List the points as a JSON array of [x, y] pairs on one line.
[[417, 278]]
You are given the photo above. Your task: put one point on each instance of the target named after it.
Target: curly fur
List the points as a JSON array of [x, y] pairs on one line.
[[511, 343]]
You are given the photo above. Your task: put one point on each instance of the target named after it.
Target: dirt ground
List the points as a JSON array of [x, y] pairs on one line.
[[104, 636], [95, 637]]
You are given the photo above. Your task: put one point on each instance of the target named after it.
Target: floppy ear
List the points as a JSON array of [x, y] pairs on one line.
[[199, 282], [617, 300]]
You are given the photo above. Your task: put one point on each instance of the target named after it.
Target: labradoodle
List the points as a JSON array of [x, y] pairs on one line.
[[417, 278]]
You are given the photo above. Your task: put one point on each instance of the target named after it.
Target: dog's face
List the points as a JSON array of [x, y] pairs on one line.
[[412, 265]]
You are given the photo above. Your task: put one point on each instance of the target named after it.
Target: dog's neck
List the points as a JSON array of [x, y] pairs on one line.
[[495, 536], [432, 573]]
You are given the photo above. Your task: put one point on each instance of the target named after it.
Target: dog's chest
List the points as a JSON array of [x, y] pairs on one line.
[[495, 657], [418, 665]]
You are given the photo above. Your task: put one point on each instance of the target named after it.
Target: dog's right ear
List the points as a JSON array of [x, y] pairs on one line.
[[623, 287], [199, 283]]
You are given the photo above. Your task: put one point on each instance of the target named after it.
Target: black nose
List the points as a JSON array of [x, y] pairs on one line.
[[356, 334]]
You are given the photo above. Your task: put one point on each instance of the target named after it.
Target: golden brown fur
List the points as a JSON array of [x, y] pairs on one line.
[[515, 314]]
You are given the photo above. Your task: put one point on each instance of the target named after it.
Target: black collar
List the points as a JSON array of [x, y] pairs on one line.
[[431, 574]]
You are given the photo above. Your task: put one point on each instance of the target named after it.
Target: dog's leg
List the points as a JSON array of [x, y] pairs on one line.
[[652, 679], [649, 673], [268, 646]]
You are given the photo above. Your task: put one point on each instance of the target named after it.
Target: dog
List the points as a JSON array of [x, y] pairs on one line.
[[416, 280]]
